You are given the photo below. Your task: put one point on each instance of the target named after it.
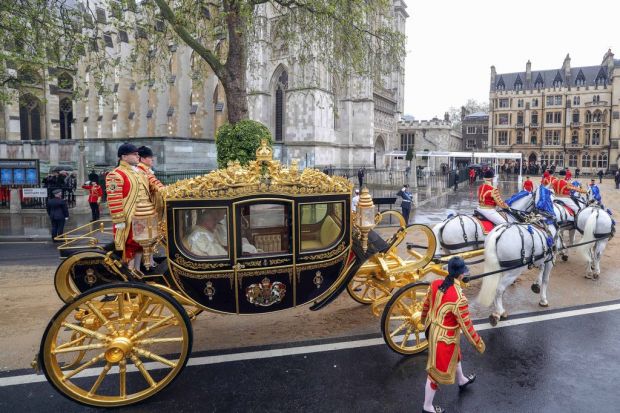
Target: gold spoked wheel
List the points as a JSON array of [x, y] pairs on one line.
[[400, 322], [366, 289], [116, 345]]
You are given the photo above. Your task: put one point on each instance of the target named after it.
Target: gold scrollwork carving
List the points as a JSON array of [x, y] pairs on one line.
[[324, 255], [197, 265], [271, 272], [177, 272], [262, 176], [317, 266]]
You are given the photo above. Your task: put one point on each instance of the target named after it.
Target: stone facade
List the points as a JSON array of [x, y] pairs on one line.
[[569, 116], [433, 135], [322, 122], [475, 131]]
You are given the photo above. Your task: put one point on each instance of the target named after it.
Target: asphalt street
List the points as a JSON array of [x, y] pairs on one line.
[[557, 361], [42, 253]]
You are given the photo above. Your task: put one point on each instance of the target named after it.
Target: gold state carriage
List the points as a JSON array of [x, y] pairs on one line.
[[240, 240]]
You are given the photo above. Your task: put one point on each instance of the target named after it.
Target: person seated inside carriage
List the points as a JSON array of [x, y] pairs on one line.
[[205, 238], [562, 188], [490, 199]]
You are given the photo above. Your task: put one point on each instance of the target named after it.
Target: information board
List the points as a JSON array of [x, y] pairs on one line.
[[19, 172], [34, 192]]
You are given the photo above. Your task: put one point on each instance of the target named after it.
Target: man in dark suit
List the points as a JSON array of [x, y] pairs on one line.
[[58, 212]]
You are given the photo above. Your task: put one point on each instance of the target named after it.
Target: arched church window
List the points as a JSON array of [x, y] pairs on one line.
[[66, 117], [281, 86], [29, 117]]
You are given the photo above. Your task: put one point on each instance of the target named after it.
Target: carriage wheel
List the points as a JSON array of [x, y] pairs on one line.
[[116, 345], [365, 289], [400, 322]]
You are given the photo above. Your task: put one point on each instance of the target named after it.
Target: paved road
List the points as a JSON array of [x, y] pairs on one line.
[[563, 361], [42, 253]]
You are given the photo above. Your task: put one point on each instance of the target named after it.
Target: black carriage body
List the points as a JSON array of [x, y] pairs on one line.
[[281, 251]]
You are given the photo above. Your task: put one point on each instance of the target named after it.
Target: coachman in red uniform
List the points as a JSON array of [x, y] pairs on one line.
[[95, 193], [563, 188], [445, 315], [125, 185], [489, 199], [528, 185]]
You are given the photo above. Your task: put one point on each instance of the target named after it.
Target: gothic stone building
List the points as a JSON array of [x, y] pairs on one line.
[[311, 117], [568, 116], [433, 135]]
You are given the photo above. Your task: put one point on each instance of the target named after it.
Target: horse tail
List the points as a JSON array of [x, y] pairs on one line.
[[588, 235], [491, 263]]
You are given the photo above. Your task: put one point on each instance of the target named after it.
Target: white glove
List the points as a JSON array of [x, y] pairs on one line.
[[120, 226], [67, 219], [87, 183]]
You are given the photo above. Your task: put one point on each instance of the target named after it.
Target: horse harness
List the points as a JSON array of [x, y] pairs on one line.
[[547, 250], [466, 242]]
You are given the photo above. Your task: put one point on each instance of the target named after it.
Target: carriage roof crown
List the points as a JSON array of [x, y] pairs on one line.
[[265, 175]]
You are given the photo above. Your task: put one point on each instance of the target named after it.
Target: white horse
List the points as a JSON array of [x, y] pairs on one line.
[[459, 233], [564, 220], [516, 247], [597, 227]]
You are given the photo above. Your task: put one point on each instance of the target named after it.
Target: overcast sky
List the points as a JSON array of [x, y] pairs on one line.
[[452, 44]]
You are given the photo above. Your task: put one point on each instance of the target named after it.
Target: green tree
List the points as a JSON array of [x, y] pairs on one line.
[[471, 106], [350, 37], [239, 141], [409, 155]]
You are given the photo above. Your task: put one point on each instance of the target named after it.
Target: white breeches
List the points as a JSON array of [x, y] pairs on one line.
[[492, 215], [569, 203]]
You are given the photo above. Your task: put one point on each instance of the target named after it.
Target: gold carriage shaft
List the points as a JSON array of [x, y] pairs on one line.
[[239, 240]]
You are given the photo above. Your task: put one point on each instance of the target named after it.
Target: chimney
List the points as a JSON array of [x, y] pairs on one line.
[[528, 72], [493, 75], [608, 60], [566, 66], [463, 112], [446, 117]]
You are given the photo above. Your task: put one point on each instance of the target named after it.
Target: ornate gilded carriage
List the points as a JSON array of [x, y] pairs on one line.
[[239, 240]]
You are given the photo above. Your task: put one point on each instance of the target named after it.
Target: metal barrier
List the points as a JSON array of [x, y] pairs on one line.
[[170, 177]]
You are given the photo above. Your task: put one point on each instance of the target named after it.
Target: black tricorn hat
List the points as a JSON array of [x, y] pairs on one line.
[[562, 173], [489, 173], [126, 149], [145, 152], [456, 267]]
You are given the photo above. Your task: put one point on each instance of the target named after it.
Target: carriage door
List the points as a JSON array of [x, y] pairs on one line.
[[264, 266]]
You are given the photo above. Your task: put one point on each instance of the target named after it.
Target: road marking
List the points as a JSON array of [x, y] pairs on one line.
[[318, 348]]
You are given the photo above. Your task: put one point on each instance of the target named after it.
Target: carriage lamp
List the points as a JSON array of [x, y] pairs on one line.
[[145, 227], [365, 219]]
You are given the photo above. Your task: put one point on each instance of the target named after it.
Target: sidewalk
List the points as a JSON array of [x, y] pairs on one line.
[[36, 227]]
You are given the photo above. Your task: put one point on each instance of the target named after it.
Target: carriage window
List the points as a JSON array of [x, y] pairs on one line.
[[265, 229], [204, 232], [321, 225]]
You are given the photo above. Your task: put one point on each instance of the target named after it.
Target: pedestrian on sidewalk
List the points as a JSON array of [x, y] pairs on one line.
[[95, 193], [445, 315], [58, 212], [360, 177], [617, 179], [600, 176], [472, 176], [405, 205]]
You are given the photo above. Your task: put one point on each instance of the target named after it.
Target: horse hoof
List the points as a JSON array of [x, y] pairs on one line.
[[493, 319], [503, 316], [595, 276], [589, 276], [543, 304], [536, 288], [564, 258]]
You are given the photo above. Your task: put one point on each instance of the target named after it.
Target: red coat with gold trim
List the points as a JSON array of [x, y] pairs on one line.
[[489, 196], [154, 183], [123, 186], [446, 316], [561, 187], [95, 192], [528, 185]]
